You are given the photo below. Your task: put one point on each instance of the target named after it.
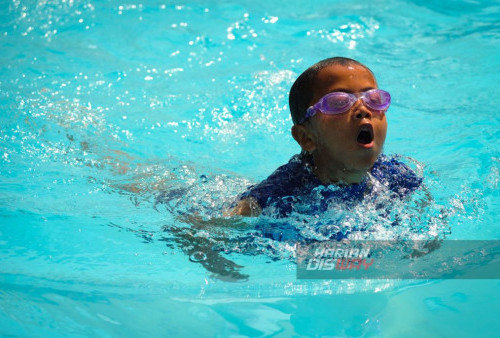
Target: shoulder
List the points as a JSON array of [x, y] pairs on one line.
[[395, 174], [287, 180]]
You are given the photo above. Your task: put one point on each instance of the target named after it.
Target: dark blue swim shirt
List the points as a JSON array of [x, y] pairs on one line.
[[294, 186]]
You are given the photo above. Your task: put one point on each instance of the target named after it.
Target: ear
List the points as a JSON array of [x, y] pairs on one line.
[[304, 137]]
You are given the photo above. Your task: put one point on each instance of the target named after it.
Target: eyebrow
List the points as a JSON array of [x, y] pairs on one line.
[[345, 90]]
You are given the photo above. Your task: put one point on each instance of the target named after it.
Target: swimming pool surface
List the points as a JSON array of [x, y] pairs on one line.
[[126, 127]]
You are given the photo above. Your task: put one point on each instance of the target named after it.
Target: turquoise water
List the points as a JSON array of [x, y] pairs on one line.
[[105, 105]]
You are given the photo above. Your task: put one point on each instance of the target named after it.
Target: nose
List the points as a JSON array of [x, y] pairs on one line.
[[361, 111]]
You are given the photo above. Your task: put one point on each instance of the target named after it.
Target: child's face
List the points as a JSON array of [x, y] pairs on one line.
[[338, 139]]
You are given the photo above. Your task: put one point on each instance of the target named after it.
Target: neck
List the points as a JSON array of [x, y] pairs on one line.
[[330, 172]]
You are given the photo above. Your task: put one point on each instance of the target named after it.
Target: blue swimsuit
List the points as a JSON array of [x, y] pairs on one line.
[[294, 187], [295, 183]]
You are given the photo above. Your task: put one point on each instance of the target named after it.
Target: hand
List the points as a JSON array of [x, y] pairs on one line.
[[247, 207]]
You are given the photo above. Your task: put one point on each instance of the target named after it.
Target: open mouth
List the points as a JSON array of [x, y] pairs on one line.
[[365, 134]]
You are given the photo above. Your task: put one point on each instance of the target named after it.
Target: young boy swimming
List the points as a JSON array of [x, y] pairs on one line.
[[339, 120]]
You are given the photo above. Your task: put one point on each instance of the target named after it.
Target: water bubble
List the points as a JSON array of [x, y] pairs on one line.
[[198, 256]]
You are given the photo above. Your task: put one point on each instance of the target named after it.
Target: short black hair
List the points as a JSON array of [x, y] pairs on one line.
[[302, 93]]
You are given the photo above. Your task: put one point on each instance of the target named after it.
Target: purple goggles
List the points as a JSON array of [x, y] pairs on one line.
[[339, 102]]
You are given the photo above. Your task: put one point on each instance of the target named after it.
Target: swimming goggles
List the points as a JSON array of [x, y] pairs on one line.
[[339, 102]]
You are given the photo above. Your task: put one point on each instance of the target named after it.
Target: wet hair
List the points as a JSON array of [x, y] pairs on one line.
[[302, 93]]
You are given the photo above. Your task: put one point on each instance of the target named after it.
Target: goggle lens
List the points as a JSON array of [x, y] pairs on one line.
[[377, 99], [336, 102]]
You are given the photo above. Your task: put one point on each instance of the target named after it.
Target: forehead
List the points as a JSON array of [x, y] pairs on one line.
[[350, 78]]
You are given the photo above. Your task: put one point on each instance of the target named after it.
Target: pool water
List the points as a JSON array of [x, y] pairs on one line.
[[127, 128]]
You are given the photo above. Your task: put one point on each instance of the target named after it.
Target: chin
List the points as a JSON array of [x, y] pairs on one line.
[[366, 162]]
